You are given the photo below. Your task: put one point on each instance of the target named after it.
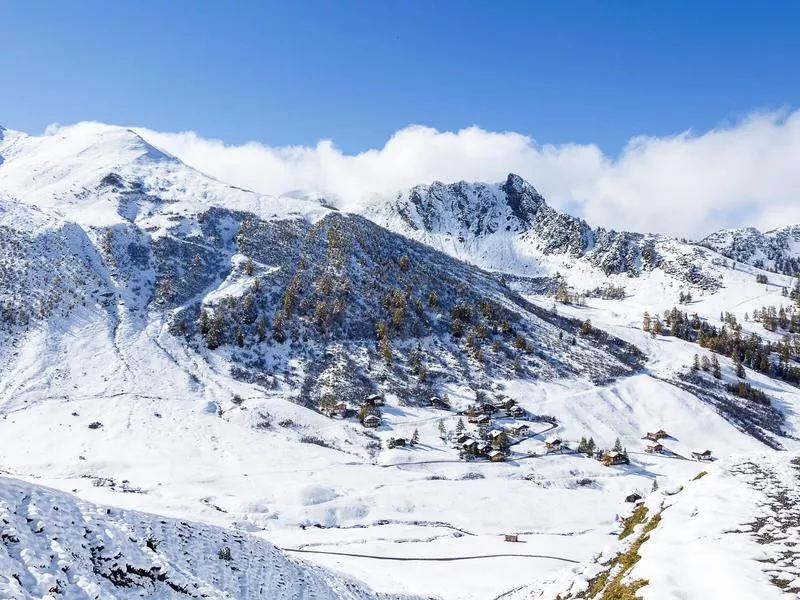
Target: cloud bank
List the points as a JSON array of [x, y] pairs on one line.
[[745, 173]]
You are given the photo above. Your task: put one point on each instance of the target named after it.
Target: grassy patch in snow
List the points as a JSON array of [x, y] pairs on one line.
[[609, 584]]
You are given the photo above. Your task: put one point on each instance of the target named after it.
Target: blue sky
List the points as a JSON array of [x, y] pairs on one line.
[[356, 72]]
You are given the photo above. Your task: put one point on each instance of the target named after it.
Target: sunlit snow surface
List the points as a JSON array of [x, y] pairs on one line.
[[164, 447]]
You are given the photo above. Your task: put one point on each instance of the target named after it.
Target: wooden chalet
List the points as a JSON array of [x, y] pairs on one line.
[[340, 409], [634, 497], [483, 420], [516, 411], [701, 454], [462, 438], [511, 537], [496, 456], [656, 435], [372, 421], [488, 408], [374, 400], [521, 429], [484, 448], [470, 446], [654, 448], [615, 458], [553, 444], [400, 442]]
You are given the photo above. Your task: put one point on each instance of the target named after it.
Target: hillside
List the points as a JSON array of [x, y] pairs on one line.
[[738, 518], [777, 250], [55, 546]]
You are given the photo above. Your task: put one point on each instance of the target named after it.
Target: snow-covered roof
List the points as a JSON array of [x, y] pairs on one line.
[[701, 451]]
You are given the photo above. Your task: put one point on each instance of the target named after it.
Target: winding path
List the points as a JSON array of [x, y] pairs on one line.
[[428, 558]]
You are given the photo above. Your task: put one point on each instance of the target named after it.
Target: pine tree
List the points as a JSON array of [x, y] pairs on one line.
[[696, 364], [460, 427], [617, 445], [646, 322], [415, 437], [740, 372], [705, 364], [582, 445], [442, 432], [715, 370], [590, 446]]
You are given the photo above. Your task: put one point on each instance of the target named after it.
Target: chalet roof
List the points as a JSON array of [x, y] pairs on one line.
[[494, 453], [613, 454], [484, 418], [374, 397], [495, 432], [469, 442], [553, 440], [372, 418], [701, 451]]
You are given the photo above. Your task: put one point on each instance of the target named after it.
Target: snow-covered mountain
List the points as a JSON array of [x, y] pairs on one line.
[[173, 344], [777, 250], [509, 227]]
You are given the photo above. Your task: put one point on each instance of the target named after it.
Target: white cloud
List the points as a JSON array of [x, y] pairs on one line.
[[747, 173]]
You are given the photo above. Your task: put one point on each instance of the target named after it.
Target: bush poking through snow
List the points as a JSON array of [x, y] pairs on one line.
[[224, 553]]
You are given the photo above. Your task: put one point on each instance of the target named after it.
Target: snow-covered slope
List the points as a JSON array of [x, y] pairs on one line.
[[173, 344], [777, 250], [508, 227], [95, 174], [730, 532], [53, 545]]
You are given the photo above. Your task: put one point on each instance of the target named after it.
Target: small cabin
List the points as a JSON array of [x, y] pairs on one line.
[[701, 454], [496, 456], [470, 446], [656, 435], [488, 408], [633, 498], [483, 420], [462, 438], [520, 429], [615, 458], [340, 409], [654, 448], [374, 400], [553, 444], [400, 442], [372, 421], [511, 537], [484, 448], [516, 411]]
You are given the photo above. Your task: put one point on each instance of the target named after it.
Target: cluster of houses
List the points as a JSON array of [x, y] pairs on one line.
[[369, 411], [493, 447], [493, 443], [653, 445], [482, 413]]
